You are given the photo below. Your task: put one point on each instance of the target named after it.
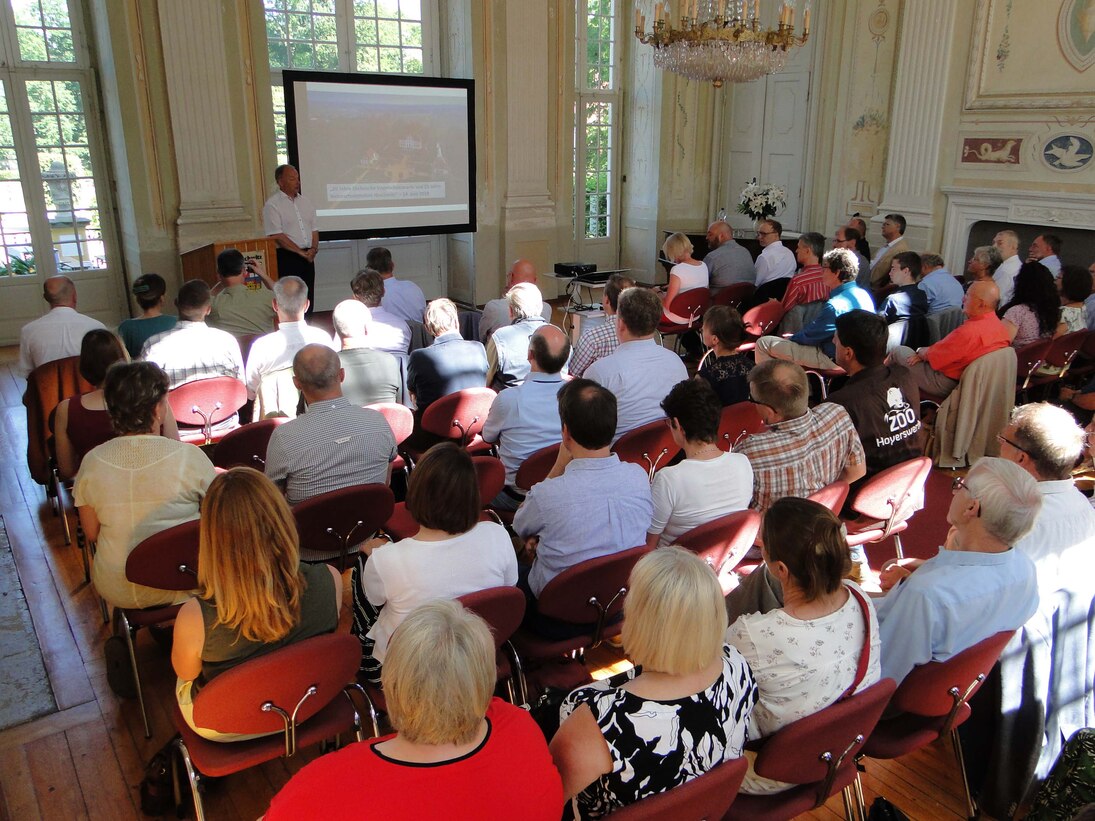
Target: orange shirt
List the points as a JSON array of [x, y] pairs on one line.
[[975, 337]]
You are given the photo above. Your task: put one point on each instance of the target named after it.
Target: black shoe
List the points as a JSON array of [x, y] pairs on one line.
[[119, 669]]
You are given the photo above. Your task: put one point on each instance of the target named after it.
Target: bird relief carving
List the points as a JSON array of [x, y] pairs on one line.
[[1068, 152]]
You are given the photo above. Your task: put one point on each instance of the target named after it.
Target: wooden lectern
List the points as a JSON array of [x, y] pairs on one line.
[[201, 263]]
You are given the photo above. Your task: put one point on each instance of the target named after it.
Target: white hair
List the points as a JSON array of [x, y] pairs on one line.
[[525, 300], [1009, 498], [291, 294], [350, 318]]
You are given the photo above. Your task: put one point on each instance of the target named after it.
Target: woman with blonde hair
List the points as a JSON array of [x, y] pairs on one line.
[[457, 752], [679, 713], [687, 274], [254, 594], [810, 652]]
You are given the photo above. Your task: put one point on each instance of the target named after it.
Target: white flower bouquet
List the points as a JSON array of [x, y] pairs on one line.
[[761, 201]]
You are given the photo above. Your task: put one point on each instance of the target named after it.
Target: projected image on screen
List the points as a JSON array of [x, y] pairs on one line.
[[381, 155]]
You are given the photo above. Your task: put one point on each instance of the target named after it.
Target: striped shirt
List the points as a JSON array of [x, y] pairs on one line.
[[192, 350], [332, 446], [596, 343], [808, 285], [801, 456]]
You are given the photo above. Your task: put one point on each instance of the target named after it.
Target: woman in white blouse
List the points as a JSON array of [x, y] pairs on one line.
[[805, 655], [685, 275], [137, 484]]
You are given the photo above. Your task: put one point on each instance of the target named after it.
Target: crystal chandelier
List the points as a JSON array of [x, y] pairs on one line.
[[722, 40]]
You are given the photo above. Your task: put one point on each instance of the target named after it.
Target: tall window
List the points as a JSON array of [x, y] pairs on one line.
[[50, 205], [343, 35], [596, 110]]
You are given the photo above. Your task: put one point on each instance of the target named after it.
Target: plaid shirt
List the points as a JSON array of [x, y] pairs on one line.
[[192, 350], [800, 456], [596, 343], [808, 285]]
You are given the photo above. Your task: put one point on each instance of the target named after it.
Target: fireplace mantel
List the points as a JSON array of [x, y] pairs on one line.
[[966, 206]]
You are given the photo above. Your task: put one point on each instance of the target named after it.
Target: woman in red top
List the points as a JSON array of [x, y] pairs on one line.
[[457, 753]]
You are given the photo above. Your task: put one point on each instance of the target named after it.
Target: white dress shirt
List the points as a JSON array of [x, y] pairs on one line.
[[1005, 277], [387, 332], [295, 217], [640, 373], [276, 350], [404, 299], [56, 335], [776, 261]]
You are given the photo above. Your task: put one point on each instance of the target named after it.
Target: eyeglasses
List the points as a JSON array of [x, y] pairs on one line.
[[765, 233], [959, 483], [750, 398], [1004, 440]]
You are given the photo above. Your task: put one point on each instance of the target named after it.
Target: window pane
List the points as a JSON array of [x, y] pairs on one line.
[[44, 31], [16, 249], [597, 174], [396, 26], [279, 125]]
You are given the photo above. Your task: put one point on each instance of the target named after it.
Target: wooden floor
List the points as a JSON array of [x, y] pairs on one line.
[[87, 760]]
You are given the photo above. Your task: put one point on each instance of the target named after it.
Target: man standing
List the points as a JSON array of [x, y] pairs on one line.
[[893, 231], [387, 332], [812, 347], [192, 350], [239, 308], [290, 219], [401, 296], [809, 284], [882, 400], [727, 262], [937, 368], [942, 289], [496, 312], [640, 372], [775, 265], [507, 348], [371, 375], [59, 333], [276, 350], [600, 340], [450, 364], [1045, 249], [525, 419], [1007, 243]]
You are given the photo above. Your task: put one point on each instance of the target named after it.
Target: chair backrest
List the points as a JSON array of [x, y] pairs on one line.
[[1029, 359], [650, 446], [708, 796], [896, 493], [491, 475], [724, 541], [1065, 348], [762, 318], [459, 416], [333, 522], [691, 305], [814, 749], [207, 401], [277, 395], [167, 560], [737, 421], [592, 591], [734, 295], [400, 419], [502, 608], [246, 445], [235, 701], [47, 385], [536, 467], [831, 496], [942, 688]]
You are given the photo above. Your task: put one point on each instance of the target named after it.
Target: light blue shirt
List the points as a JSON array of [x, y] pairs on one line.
[[404, 299], [1053, 262], [1089, 304], [950, 603], [596, 508], [524, 419], [943, 290], [640, 373]]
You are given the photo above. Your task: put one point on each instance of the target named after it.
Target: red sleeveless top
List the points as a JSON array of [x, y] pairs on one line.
[[87, 429]]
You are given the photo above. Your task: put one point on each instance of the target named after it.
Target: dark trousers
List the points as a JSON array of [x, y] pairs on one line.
[[290, 264], [772, 289]]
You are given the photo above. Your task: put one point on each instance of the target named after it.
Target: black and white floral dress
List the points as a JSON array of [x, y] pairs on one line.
[[657, 745]]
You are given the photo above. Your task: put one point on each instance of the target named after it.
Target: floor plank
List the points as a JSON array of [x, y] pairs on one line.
[[99, 776], [54, 777]]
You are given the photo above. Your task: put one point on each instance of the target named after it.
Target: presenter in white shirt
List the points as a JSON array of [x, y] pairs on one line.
[[290, 219]]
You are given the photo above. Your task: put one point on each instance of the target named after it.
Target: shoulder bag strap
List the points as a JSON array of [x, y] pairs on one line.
[[865, 651]]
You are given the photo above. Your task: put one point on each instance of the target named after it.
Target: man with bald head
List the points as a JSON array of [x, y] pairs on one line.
[[937, 368], [334, 444], [525, 418], [371, 375], [496, 312], [727, 261], [58, 334]]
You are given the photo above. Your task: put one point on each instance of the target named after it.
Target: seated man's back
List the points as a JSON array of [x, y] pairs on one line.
[[450, 364], [371, 376], [59, 333]]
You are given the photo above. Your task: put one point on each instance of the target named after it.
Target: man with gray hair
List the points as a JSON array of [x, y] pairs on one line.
[[59, 333], [275, 351], [727, 262], [1007, 243], [507, 348], [942, 289], [371, 375], [334, 444], [496, 312], [450, 364]]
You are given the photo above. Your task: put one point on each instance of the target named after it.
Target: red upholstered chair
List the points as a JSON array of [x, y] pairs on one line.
[[332, 523], [502, 608], [460, 417], [532, 471], [734, 295], [650, 446], [824, 377], [708, 796], [762, 319], [723, 542], [204, 403], [246, 445], [589, 595], [1030, 358], [688, 304], [166, 561], [817, 754], [831, 496], [887, 501], [491, 475], [737, 421], [932, 702], [400, 419], [299, 694], [1083, 366]]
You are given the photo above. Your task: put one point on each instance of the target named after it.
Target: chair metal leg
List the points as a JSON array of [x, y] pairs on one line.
[[897, 546], [104, 609], [861, 804], [61, 510], [971, 806], [192, 777], [130, 635], [849, 804]]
